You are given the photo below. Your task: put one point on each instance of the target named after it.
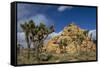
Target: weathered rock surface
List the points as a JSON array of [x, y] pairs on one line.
[[76, 40]]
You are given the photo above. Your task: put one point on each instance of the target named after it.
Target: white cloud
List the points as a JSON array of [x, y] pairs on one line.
[[21, 39], [55, 34], [62, 8], [38, 18], [51, 36], [92, 34]]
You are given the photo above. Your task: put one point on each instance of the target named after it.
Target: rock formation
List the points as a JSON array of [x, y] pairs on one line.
[[72, 40]]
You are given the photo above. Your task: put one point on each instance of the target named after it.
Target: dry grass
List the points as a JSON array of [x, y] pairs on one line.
[[55, 58]]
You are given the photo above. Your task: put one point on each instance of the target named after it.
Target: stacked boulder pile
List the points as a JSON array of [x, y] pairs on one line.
[[72, 40]]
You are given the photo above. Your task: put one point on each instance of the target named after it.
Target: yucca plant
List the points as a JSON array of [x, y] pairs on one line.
[[26, 30], [37, 34]]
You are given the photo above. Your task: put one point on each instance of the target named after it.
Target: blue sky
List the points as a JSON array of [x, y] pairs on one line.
[[60, 16]]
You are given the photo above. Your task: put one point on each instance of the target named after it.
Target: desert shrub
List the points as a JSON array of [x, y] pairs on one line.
[[86, 32], [18, 48], [45, 56], [80, 38]]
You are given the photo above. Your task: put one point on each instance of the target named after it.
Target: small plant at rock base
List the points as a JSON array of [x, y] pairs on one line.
[[45, 56]]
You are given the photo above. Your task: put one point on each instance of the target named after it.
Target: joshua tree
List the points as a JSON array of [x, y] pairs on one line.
[[25, 28], [37, 34]]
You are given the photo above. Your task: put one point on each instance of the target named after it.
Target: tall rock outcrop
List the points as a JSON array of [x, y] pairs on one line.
[[72, 40]]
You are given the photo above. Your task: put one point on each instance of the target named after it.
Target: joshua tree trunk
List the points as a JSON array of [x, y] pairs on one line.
[[28, 55], [39, 45], [28, 52], [37, 52]]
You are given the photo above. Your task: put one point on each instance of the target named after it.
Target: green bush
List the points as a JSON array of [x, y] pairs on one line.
[[44, 56]]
